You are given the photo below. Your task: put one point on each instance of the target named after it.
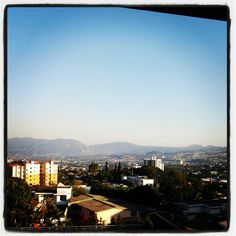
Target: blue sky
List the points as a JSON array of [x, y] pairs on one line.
[[101, 75]]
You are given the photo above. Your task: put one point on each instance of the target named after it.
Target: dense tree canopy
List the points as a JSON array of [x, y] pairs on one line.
[[18, 203], [93, 168]]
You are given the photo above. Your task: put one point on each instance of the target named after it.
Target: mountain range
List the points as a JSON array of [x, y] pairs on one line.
[[31, 147]]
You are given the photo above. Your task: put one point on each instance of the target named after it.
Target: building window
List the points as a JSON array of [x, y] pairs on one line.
[[63, 198]]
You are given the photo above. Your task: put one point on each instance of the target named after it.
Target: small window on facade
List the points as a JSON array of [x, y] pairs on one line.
[[63, 197]]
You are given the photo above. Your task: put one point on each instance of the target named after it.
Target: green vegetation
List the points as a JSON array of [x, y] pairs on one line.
[[19, 210], [18, 204], [176, 183], [169, 186], [94, 168]]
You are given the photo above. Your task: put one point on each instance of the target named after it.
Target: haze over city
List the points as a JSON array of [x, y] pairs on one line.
[[102, 75]]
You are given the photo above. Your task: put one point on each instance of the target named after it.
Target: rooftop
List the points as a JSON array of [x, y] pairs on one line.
[[45, 189], [15, 164], [80, 198], [61, 185], [95, 205]]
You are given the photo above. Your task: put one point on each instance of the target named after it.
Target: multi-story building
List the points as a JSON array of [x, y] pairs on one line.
[[154, 161], [16, 170], [49, 173], [35, 173], [32, 172]]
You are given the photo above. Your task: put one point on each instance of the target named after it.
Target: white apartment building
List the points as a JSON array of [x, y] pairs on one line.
[[154, 161], [29, 171], [35, 173], [17, 170]]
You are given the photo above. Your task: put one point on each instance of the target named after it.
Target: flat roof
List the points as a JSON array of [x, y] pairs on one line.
[[15, 164], [46, 189], [44, 193]]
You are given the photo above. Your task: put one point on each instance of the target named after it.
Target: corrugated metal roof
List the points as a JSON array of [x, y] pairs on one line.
[[80, 198], [95, 205]]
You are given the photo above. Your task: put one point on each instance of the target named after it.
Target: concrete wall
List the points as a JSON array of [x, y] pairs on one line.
[[115, 213]]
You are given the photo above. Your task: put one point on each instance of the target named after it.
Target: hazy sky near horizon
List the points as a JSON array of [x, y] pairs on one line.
[[101, 75]]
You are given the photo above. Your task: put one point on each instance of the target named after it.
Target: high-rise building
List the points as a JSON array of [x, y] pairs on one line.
[[32, 172], [49, 173], [154, 161], [16, 170], [35, 173]]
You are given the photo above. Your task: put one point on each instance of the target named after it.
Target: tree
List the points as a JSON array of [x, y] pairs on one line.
[[78, 191], [144, 195], [150, 171], [209, 192], [119, 167], [93, 168], [106, 167], [174, 186], [52, 212], [18, 203]]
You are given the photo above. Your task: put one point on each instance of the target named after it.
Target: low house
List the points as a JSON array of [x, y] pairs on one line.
[[139, 180], [64, 193], [40, 193], [93, 210], [61, 193], [190, 210]]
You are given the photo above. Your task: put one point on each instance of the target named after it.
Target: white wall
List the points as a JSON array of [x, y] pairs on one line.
[[114, 212], [65, 191], [147, 182]]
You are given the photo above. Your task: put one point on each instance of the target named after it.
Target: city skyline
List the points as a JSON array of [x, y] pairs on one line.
[[101, 75]]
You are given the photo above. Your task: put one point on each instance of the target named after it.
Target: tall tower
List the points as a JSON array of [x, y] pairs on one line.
[[32, 172], [49, 173], [153, 161]]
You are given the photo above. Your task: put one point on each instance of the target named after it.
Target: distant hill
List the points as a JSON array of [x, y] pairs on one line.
[[119, 148], [129, 148], [30, 147], [44, 147]]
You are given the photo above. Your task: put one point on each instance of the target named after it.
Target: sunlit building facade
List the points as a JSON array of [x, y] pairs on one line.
[[49, 173], [16, 170], [32, 172], [35, 173], [155, 162]]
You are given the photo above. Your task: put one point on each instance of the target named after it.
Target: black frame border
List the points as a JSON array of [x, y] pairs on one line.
[[213, 12]]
